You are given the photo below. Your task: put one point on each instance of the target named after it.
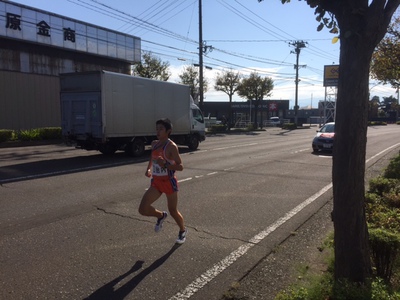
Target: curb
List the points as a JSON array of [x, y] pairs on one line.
[[17, 144]]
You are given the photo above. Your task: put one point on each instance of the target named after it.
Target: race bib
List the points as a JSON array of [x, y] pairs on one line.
[[158, 170]]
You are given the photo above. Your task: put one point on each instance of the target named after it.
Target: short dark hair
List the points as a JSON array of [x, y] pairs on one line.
[[165, 122]]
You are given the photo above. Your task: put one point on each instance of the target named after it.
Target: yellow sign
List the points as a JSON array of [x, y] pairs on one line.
[[331, 75]]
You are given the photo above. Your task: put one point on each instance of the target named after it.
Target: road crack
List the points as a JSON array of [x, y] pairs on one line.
[[114, 213]]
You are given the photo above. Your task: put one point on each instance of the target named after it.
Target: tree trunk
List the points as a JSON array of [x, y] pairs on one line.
[[362, 25], [352, 259], [230, 116], [256, 114]]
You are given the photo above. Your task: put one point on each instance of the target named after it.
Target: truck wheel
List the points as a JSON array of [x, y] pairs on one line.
[[107, 149], [136, 148], [193, 142]]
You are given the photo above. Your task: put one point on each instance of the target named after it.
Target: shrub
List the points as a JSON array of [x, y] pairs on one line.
[[381, 185], [29, 135], [251, 126], [382, 216], [45, 133], [393, 199], [385, 247], [5, 135], [380, 291], [376, 123], [345, 290], [50, 133], [289, 126], [393, 169], [382, 205], [218, 128]]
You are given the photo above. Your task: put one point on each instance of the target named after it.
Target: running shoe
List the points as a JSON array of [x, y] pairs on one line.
[[160, 222], [182, 236]]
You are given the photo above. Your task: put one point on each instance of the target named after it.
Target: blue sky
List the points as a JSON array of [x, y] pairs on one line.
[[245, 36]]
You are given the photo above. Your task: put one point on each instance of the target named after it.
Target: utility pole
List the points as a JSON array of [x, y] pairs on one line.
[[201, 56], [298, 46], [203, 48]]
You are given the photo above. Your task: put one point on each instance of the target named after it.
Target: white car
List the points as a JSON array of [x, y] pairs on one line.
[[275, 121]]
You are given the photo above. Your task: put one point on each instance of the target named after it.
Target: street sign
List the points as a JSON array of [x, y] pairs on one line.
[[331, 75]]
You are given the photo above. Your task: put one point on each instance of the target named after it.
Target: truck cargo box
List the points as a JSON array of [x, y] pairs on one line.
[[108, 111]]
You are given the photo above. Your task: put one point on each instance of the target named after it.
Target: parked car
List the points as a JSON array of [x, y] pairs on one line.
[[275, 121], [323, 141]]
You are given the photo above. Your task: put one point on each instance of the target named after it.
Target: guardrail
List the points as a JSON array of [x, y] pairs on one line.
[[269, 123], [242, 124]]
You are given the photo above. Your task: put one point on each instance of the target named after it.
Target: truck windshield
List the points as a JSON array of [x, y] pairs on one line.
[[197, 115]]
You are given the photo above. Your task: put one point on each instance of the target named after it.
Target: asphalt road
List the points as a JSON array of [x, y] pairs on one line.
[[70, 229]]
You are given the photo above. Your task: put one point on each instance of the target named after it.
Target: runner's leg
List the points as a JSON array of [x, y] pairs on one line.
[[173, 210], [146, 208]]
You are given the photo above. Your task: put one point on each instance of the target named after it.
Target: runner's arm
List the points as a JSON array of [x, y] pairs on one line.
[[174, 155]]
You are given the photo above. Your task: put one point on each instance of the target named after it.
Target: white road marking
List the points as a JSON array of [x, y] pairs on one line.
[[237, 146], [219, 267], [186, 179], [380, 153], [302, 150], [229, 169]]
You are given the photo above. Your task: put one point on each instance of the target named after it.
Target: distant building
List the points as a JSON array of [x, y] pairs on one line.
[[241, 111], [36, 46]]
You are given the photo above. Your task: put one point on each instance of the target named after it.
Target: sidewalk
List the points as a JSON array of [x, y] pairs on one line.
[[298, 254]]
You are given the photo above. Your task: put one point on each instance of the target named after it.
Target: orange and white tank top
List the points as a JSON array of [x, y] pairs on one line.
[[157, 151]]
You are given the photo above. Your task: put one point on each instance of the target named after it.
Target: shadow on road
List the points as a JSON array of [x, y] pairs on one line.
[[20, 171], [108, 292]]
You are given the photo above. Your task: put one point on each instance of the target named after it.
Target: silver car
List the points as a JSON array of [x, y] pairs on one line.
[[323, 141]]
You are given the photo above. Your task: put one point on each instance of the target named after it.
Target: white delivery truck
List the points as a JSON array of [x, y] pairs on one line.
[[109, 111]]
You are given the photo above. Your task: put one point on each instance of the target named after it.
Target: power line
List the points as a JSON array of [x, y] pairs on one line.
[[143, 23]]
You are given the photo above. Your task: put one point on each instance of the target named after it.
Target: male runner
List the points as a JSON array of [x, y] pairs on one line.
[[163, 163]]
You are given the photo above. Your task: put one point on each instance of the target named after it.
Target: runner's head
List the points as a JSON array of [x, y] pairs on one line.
[[166, 123]]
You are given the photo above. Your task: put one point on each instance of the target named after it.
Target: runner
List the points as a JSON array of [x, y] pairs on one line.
[[163, 163]]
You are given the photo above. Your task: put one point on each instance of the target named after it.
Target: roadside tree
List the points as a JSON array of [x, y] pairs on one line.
[[255, 88], [152, 67], [190, 76], [373, 107], [228, 82], [390, 106], [362, 25], [385, 65]]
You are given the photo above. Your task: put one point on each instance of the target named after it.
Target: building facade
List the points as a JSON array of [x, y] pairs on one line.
[[257, 112], [36, 46]]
